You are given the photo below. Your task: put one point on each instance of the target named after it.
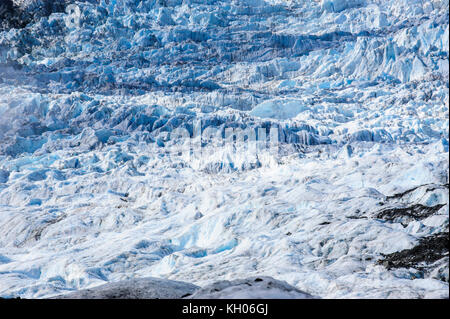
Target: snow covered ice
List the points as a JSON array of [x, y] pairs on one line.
[[351, 201]]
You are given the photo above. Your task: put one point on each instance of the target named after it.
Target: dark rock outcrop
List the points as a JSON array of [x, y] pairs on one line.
[[429, 250]]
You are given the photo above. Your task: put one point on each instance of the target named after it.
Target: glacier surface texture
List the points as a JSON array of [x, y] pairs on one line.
[[345, 194]]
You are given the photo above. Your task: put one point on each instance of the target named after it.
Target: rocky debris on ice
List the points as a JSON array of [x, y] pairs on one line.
[[415, 204], [252, 288], [430, 256], [3, 176]]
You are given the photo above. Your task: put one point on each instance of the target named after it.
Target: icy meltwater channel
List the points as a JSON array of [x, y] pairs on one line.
[[351, 203]]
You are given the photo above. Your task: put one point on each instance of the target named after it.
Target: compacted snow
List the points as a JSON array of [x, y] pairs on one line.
[[142, 288], [347, 199], [156, 288]]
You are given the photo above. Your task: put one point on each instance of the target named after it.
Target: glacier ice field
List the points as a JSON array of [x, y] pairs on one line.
[[350, 200]]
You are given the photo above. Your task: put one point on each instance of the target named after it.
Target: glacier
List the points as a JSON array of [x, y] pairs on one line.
[[98, 97]]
